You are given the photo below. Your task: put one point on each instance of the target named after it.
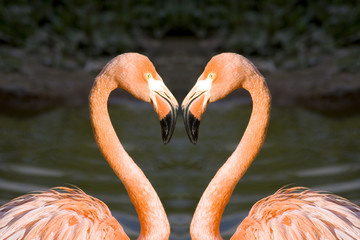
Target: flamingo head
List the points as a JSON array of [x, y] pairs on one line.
[[223, 74], [136, 74]]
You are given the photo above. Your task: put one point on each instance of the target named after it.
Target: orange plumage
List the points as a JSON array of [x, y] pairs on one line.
[[289, 214], [70, 214]]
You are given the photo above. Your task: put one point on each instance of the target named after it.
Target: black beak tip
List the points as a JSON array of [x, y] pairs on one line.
[[194, 124], [166, 139], [168, 125], [191, 125]]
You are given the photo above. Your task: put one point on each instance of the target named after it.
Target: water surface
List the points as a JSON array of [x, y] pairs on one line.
[[57, 149]]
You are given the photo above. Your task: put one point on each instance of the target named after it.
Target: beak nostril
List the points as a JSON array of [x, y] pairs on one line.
[[163, 94], [192, 95], [167, 95]]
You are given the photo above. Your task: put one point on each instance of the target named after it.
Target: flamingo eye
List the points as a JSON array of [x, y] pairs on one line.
[[211, 76], [148, 75]]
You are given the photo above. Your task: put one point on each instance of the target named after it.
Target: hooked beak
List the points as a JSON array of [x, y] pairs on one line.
[[193, 107], [168, 122], [166, 107]]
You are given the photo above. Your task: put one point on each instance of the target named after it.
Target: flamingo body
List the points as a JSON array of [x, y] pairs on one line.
[[67, 214], [291, 214], [299, 213], [60, 213]]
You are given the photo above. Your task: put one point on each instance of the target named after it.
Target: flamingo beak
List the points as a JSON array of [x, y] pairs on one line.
[[166, 107], [193, 107], [168, 122]]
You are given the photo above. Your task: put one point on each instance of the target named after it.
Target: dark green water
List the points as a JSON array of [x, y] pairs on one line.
[[57, 149]]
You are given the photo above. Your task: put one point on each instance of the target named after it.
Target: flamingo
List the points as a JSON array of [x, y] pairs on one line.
[[66, 213], [293, 213]]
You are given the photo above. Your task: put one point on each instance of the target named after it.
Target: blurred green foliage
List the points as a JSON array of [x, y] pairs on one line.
[[77, 29]]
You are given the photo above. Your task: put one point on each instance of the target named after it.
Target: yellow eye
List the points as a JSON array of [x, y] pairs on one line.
[[148, 75], [211, 75]]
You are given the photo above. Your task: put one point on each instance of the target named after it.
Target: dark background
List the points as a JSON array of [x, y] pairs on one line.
[[51, 51], [296, 30], [308, 50]]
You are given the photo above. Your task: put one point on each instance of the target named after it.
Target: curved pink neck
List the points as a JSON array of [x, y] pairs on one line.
[[207, 216], [153, 220]]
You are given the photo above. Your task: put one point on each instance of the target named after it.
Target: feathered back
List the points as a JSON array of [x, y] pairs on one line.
[[59, 213], [299, 213]]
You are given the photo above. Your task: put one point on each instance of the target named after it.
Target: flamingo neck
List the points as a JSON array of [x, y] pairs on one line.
[[207, 217], [153, 221]]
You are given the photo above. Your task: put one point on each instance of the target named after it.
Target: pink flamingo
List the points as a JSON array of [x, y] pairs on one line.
[[291, 214], [64, 213]]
